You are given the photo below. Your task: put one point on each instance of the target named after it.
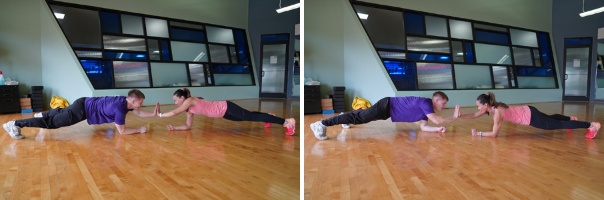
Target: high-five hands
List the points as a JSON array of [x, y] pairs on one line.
[[157, 110], [457, 112]]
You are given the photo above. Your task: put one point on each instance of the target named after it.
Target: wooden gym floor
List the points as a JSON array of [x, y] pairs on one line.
[[216, 159], [385, 160]]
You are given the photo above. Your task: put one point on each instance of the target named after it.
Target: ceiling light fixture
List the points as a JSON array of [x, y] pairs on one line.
[[288, 8], [59, 15], [363, 16], [591, 12]]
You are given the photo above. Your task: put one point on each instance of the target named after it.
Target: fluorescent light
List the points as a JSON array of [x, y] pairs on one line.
[[59, 15], [363, 16], [503, 58], [288, 8], [591, 12]]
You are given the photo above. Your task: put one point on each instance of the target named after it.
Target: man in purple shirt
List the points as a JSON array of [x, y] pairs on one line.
[[96, 110], [399, 109]]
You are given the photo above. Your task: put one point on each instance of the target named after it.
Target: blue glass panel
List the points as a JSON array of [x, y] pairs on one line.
[[534, 72], [491, 37], [430, 57], [110, 23], [577, 41], [99, 72], [546, 51], [402, 74], [187, 34], [469, 51], [414, 24], [125, 55], [165, 50], [219, 68], [275, 38], [241, 42]]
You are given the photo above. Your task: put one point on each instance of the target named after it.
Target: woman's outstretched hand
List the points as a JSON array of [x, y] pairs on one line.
[[170, 127]]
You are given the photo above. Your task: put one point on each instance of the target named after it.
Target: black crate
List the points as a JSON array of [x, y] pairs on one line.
[[37, 87], [339, 88]]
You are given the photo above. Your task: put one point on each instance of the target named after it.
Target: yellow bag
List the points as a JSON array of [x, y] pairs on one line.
[[359, 103], [58, 102]]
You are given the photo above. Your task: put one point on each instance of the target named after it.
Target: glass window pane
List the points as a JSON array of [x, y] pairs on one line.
[[99, 72], [460, 29], [186, 25], [81, 27], [536, 82], [110, 22], [220, 35], [469, 52], [473, 76], [531, 71], [197, 72], [124, 43], [546, 53], [132, 25], [414, 23], [165, 50], [131, 74], [491, 37], [187, 35], [384, 27], [169, 74], [457, 51], [495, 54], [500, 75], [429, 57], [242, 46], [491, 28], [219, 53], [156, 27], [537, 57], [153, 45], [428, 45], [125, 55], [233, 79], [88, 54], [402, 74], [523, 38], [434, 76], [186, 51], [233, 52], [391, 55], [522, 56], [577, 41], [436, 26], [218, 68]]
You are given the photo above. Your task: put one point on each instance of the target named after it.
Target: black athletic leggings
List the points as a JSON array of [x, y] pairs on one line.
[[379, 111], [58, 117], [555, 121], [237, 113]]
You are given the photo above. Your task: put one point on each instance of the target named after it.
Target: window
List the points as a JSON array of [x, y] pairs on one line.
[[424, 51], [120, 49]]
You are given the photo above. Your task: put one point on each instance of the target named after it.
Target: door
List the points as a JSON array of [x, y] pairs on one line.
[[576, 78], [273, 68]]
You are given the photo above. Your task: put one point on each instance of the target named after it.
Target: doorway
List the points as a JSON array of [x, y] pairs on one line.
[[577, 62], [273, 67]]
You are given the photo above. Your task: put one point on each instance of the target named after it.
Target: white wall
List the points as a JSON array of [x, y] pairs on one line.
[[338, 51]]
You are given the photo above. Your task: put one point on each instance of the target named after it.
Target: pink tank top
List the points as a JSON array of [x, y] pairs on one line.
[[517, 114], [215, 109]]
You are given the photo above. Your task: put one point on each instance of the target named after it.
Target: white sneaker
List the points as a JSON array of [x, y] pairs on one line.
[[319, 129], [38, 115], [12, 130]]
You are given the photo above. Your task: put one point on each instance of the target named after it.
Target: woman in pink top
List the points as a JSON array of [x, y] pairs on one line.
[[525, 115], [220, 109]]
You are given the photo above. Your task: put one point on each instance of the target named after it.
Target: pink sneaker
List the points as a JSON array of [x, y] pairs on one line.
[[290, 126], [267, 124], [592, 131]]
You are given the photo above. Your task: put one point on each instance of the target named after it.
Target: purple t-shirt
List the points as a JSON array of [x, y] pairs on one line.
[[410, 109], [100, 110]]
